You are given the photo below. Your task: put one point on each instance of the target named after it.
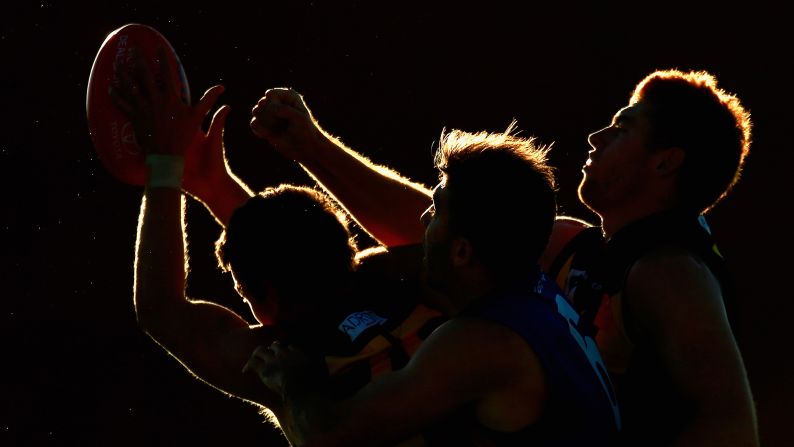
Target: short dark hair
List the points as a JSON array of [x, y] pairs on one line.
[[501, 196], [294, 238], [689, 111]]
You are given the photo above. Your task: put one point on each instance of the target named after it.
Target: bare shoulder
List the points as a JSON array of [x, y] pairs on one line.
[[564, 230], [570, 222], [670, 286], [671, 269], [479, 347], [677, 303], [493, 367]]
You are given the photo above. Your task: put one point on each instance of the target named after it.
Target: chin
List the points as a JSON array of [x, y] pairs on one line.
[[584, 191]]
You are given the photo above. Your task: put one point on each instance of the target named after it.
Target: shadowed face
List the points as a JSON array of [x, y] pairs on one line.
[[437, 241], [619, 166], [264, 308]]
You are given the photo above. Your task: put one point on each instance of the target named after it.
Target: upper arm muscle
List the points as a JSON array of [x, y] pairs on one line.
[[214, 343], [464, 361], [677, 304]]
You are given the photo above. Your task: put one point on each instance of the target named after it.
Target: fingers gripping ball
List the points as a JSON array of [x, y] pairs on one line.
[[111, 132]]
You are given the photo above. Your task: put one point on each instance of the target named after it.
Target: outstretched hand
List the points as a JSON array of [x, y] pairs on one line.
[[282, 118], [163, 123], [205, 161]]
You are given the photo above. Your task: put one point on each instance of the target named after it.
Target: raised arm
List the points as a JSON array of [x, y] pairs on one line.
[[678, 306], [386, 204], [209, 340]]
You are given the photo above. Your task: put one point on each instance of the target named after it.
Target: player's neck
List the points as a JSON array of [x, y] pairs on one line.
[[611, 223], [623, 215]]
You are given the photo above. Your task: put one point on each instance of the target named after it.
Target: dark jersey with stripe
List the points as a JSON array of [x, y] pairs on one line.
[[581, 408], [375, 329], [593, 272]]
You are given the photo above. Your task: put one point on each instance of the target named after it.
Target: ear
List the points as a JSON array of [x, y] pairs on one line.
[[461, 252], [668, 161]]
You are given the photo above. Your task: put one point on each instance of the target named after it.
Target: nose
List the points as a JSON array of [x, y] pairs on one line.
[[598, 138]]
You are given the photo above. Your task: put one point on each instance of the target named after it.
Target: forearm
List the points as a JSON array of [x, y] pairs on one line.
[[384, 412], [305, 419], [318, 422], [223, 197], [386, 204], [159, 257]]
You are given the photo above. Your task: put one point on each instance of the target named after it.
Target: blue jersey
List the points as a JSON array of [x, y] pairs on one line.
[[581, 407]]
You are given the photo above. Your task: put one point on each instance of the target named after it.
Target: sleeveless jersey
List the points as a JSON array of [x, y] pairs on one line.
[[581, 407], [593, 272]]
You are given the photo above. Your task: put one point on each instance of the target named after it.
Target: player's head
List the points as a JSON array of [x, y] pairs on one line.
[[677, 125], [288, 248], [496, 196]]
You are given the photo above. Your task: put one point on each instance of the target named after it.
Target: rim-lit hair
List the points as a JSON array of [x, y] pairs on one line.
[[501, 196], [688, 110]]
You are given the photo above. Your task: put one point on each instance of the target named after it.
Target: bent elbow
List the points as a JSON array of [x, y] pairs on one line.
[[150, 319]]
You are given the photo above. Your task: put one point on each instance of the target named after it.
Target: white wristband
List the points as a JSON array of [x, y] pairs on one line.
[[165, 171]]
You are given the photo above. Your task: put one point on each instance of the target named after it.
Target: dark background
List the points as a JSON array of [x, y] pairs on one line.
[[387, 77]]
